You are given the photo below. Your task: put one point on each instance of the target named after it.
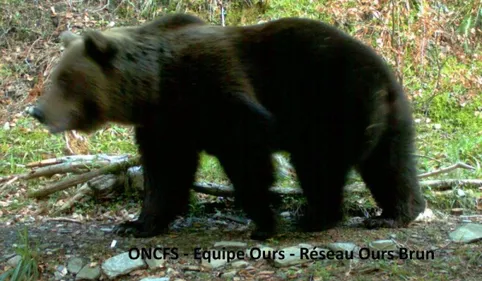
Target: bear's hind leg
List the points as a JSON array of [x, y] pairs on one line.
[[390, 174], [252, 174], [169, 169]]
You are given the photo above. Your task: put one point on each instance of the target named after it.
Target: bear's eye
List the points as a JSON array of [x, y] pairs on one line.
[[62, 83], [62, 80]]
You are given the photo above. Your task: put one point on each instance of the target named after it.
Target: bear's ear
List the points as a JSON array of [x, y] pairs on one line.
[[98, 46], [68, 37]]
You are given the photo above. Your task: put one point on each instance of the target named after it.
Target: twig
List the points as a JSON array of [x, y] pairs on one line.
[[63, 219], [222, 13], [103, 7], [62, 168], [446, 170], [13, 179], [81, 193], [428, 157], [233, 218], [46, 162], [6, 258], [30, 49]]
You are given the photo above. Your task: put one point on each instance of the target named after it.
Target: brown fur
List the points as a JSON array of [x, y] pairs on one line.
[[242, 93]]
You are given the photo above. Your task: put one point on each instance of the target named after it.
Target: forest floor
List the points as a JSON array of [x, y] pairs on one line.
[[59, 240]]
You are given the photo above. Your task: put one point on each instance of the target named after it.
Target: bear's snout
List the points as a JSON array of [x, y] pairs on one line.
[[36, 113]]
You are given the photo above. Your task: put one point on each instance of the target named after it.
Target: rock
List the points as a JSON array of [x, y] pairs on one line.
[[191, 268], [467, 233], [305, 246], [229, 274], [460, 192], [171, 271], [265, 274], [291, 257], [426, 216], [214, 263], [88, 273], [154, 263], [13, 261], [74, 265], [285, 214], [240, 264], [106, 229], [230, 245], [342, 246], [120, 265], [58, 275], [457, 211], [383, 245], [152, 278], [136, 179], [60, 272], [261, 252]]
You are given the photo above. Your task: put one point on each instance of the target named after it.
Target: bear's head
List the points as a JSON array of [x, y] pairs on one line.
[[81, 83]]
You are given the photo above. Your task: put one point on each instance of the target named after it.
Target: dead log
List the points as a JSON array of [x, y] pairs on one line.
[[136, 182], [114, 171]]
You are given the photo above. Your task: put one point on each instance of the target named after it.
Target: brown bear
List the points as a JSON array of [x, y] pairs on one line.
[[241, 94]]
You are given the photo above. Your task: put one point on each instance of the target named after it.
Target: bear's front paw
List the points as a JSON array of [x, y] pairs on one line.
[[262, 234], [381, 222], [316, 223], [137, 229]]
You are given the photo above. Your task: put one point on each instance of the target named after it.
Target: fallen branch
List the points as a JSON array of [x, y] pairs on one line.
[[112, 168], [446, 170], [81, 193], [450, 183], [77, 158], [62, 168], [66, 183], [227, 191], [103, 187], [64, 165]]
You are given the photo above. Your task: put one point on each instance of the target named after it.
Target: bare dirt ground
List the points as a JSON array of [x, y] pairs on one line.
[[60, 239]]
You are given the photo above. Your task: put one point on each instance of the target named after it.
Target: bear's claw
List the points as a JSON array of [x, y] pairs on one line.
[[261, 235], [381, 222], [136, 229]]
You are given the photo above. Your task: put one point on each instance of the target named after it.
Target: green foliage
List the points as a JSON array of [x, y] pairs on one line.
[[195, 208], [210, 170], [27, 267], [21, 145], [456, 198]]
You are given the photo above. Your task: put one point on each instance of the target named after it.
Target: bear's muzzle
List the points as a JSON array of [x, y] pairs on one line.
[[36, 113]]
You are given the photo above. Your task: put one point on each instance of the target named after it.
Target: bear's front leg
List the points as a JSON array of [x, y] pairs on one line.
[[169, 166]]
